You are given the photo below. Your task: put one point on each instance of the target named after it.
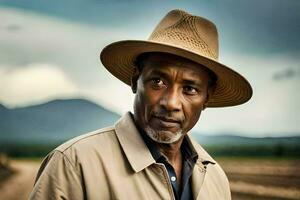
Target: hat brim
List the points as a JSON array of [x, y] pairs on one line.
[[231, 87]]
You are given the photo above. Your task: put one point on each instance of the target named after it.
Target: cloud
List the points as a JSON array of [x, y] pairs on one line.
[[13, 27], [74, 48], [114, 95], [274, 108], [34, 83], [285, 74]]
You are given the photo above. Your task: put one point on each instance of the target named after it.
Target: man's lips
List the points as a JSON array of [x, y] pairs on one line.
[[167, 119], [166, 122]]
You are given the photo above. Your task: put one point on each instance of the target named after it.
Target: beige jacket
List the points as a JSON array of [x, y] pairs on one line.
[[115, 163]]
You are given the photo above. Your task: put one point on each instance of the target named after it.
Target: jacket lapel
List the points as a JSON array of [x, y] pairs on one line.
[[132, 143], [198, 176], [199, 172]]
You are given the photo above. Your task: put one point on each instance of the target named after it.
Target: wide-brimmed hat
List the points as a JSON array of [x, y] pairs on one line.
[[188, 36]]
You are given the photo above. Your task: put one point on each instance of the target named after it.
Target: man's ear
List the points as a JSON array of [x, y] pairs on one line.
[[134, 79]]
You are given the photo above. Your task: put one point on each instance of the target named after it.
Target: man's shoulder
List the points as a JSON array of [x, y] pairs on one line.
[[214, 171], [88, 139]]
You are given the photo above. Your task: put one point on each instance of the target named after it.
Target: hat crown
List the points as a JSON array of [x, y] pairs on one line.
[[193, 33]]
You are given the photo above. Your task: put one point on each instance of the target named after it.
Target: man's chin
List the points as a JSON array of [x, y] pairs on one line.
[[163, 136]]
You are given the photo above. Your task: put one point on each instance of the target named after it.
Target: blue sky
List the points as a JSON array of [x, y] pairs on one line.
[[50, 49]]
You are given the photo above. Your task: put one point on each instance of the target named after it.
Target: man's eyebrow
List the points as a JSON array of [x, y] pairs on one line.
[[187, 80], [159, 73], [192, 82]]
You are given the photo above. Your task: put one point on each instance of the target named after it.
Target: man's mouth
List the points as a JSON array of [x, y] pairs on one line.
[[166, 122]]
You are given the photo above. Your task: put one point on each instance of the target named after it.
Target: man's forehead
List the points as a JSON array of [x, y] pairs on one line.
[[169, 70], [166, 58]]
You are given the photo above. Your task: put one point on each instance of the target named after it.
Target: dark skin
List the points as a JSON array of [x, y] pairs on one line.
[[170, 93]]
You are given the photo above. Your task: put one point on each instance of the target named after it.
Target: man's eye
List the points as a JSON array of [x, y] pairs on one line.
[[157, 82], [190, 90]]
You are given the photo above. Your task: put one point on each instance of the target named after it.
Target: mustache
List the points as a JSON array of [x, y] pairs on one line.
[[170, 117]]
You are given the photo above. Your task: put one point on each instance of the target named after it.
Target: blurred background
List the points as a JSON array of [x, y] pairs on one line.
[[53, 86]]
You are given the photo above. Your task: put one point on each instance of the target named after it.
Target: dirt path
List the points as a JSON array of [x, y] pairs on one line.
[[19, 185]]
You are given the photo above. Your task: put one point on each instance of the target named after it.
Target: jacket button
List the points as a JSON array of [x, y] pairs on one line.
[[173, 178]]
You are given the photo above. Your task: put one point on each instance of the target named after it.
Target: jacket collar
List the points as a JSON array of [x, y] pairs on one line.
[[203, 156], [137, 151], [132, 143]]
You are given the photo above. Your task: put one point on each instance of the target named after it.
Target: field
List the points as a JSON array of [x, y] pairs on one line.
[[262, 178], [250, 178]]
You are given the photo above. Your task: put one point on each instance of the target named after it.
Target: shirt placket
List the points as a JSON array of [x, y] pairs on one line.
[[173, 179]]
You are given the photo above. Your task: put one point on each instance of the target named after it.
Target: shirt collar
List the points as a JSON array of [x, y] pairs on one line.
[[138, 153]]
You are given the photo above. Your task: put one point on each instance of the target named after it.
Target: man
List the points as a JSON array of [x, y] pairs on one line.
[[175, 75]]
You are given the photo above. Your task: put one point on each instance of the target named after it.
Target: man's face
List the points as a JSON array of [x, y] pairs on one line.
[[171, 92]]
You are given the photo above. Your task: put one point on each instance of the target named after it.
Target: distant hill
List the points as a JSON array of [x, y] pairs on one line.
[[231, 140], [35, 130], [229, 145], [52, 122]]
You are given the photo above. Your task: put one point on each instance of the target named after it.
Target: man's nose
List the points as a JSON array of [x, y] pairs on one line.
[[171, 100]]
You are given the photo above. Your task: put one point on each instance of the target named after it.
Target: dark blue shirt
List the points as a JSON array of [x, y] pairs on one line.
[[190, 157]]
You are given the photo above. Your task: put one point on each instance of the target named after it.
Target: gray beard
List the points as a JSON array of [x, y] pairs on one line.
[[165, 137]]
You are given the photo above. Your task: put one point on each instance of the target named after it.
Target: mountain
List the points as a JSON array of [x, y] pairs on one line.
[[35, 130], [230, 145], [233, 140], [52, 122]]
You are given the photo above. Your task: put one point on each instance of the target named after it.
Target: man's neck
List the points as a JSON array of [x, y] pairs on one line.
[[171, 151], [174, 156]]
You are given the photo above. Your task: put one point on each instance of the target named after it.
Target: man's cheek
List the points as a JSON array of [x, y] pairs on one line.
[[150, 97], [195, 118]]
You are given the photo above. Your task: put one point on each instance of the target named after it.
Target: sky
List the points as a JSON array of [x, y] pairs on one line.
[[50, 50]]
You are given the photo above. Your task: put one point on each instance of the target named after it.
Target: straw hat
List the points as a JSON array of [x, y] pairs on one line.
[[188, 36]]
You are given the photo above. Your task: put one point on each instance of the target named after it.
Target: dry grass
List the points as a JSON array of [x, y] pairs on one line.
[[268, 179]]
